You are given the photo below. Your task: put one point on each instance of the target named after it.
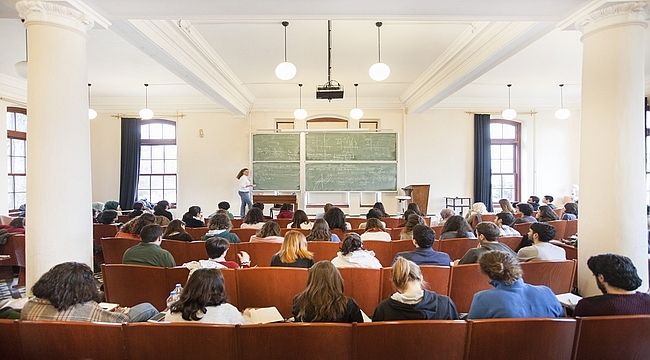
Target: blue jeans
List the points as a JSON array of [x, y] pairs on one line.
[[245, 200], [142, 312]]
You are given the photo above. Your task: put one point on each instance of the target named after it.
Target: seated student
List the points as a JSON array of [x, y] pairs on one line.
[[412, 301], [220, 226], [545, 214], [504, 221], [138, 209], [526, 212], [68, 292], [176, 231], [148, 251], [323, 299], [326, 208], [254, 219], [372, 214], [293, 252], [618, 279], [375, 231], [540, 234], [194, 217], [260, 206], [533, 201], [548, 201], [204, 299], [423, 238], [405, 217], [445, 214], [411, 222], [336, 219], [300, 221], [286, 211], [270, 232], [321, 232], [570, 211], [380, 206], [112, 205], [224, 205], [413, 206], [133, 227], [353, 254], [478, 209], [456, 227], [217, 248], [511, 297], [161, 210], [488, 238], [107, 217], [506, 206]]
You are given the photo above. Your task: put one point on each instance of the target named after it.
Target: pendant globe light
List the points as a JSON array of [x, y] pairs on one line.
[[146, 113], [379, 71], [300, 113], [356, 113], [509, 113], [285, 70], [21, 66], [562, 113], [91, 113]]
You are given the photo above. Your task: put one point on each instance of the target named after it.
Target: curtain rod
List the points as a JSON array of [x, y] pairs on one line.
[[177, 115]]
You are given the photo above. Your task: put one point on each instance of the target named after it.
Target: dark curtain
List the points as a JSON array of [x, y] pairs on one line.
[[482, 161], [130, 162]]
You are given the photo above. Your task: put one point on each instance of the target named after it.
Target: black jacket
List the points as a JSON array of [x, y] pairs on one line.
[[431, 307]]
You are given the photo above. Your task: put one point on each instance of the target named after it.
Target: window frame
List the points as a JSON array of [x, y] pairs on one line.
[[516, 154], [159, 142], [21, 136]]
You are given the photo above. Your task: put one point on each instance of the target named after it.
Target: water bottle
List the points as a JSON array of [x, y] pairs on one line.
[[171, 299], [178, 291]]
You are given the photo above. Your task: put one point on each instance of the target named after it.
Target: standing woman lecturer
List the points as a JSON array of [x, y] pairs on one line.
[[244, 191]]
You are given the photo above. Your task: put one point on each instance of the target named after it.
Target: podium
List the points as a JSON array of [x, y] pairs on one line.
[[419, 194]]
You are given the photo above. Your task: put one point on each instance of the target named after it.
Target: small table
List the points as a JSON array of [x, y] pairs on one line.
[[277, 199], [401, 203]]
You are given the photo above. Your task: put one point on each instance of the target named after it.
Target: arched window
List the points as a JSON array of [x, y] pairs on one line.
[[506, 159], [158, 161], [16, 157]]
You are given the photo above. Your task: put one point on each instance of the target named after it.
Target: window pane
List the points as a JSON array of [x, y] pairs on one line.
[[496, 181], [507, 166], [21, 122], [157, 182], [11, 202], [10, 184], [21, 183], [170, 195], [143, 182], [509, 194], [170, 166], [507, 152], [8, 147], [18, 165], [21, 198], [508, 131], [145, 166], [145, 152], [156, 195], [144, 194], [169, 131], [170, 152], [155, 131], [18, 147], [157, 166], [170, 182], [508, 181], [496, 194], [496, 166], [157, 152], [10, 126], [496, 131], [9, 165], [144, 132], [495, 151]]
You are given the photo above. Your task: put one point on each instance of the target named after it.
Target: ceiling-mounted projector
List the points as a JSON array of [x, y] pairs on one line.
[[329, 91]]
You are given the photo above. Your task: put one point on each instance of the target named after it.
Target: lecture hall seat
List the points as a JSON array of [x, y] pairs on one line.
[[196, 233], [466, 280], [10, 346], [456, 248], [507, 339], [560, 228], [522, 228], [363, 285], [557, 275], [511, 241], [571, 228], [114, 248], [102, 231], [270, 286], [244, 234], [260, 252], [323, 250], [382, 250], [355, 221], [612, 337], [284, 231], [129, 285], [178, 249], [438, 230]]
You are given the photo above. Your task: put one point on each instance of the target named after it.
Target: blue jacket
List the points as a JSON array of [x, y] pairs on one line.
[[425, 256], [518, 300]]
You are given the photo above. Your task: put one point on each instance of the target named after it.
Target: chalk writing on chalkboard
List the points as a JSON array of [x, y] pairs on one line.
[[276, 147], [351, 176], [351, 146], [276, 175]]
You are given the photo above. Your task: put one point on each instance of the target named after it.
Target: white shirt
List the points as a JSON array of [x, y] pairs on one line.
[[243, 184], [304, 226], [376, 235], [543, 251], [357, 259], [257, 226], [222, 314]]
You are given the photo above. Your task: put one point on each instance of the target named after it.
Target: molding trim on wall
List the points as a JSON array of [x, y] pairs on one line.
[[13, 89]]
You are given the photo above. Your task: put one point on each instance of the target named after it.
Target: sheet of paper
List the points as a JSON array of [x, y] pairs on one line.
[[108, 306], [265, 315], [568, 299]]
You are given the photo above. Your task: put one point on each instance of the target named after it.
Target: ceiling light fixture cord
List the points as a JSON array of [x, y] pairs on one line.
[[561, 96], [329, 51], [379, 23], [356, 99], [300, 85], [509, 85], [89, 85], [146, 96], [285, 24]]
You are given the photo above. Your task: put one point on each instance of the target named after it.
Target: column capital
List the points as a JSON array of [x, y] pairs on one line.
[[634, 12], [53, 14]]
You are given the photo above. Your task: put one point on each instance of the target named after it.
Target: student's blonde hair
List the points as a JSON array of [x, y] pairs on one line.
[[294, 247], [404, 271]]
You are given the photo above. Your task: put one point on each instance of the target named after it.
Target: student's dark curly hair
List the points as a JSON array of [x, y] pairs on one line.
[[219, 222], [135, 225], [618, 270], [66, 285], [545, 232], [352, 242], [270, 228], [254, 216], [525, 209], [374, 214], [335, 218], [458, 224], [204, 288]]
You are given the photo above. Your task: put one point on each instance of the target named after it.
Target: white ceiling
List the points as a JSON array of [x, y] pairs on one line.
[[442, 54]]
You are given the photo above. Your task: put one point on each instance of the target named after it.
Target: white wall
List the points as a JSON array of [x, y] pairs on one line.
[[105, 150]]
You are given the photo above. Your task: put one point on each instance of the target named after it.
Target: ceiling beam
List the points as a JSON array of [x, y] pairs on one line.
[[475, 52], [180, 48]]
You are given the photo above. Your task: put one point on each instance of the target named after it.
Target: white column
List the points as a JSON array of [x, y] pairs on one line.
[[612, 191], [59, 226]]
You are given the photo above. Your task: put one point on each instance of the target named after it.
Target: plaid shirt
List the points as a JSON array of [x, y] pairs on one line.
[[41, 309], [508, 231]]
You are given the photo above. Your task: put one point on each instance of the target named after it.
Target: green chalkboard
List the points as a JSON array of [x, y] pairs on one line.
[[351, 176], [276, 147], [276, 176], [351, 146]]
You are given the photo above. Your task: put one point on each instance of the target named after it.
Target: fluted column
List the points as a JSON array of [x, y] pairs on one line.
[[612, 175], [58, 227]]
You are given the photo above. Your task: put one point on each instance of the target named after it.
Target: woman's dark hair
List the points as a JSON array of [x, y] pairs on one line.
[[270, 228], [66, 285], [174, 226], [380, 206], [459, 225], [335, 218], [135, 225], [135, 213], [191, 212], [545, 213], [299, 217], [241, 173], [374, 224], [259, 205], [351, 242], [216, 246], [500, 265], [571, 208], [107, 217], [224, 205], [219, 222], [204, 288], [412, 221], [286, 206], [138, 206], [373, 214], [408, 213], [413, 206], [323, 294], [617, 270], [254, 216], [320, 231]]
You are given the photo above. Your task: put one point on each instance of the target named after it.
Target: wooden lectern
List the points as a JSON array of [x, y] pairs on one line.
[[419, 194]]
